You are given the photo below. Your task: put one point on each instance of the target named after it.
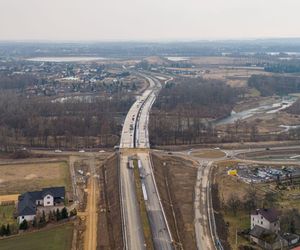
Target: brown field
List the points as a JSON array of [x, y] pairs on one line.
[[176, 182], [19, 178]]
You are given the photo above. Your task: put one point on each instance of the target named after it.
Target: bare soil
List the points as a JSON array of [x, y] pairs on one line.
[[176, 180], [109, 221]]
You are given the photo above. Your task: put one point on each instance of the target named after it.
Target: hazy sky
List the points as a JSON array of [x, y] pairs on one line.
[[147, 19]]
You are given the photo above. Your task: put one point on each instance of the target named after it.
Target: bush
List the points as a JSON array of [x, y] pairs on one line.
[[24, 225]]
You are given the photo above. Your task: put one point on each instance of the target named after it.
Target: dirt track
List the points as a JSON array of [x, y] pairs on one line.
[[90, 238]]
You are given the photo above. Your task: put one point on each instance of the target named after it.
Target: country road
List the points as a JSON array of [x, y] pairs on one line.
[[90, 238]]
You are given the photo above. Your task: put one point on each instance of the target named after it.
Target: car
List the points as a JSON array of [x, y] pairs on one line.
[[57, 151], [217, 148], [101, 151], [81, 151], [267, 148]]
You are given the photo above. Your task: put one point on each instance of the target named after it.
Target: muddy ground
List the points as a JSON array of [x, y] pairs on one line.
[[176, 180]]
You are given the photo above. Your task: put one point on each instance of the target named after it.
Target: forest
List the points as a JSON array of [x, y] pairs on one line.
[[16, 82], [184, 109], [275, 85], [40, 122]]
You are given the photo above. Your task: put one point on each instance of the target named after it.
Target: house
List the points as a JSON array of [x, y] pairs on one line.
[[265, 230], [267, 239], [267, 218], [47, 197]]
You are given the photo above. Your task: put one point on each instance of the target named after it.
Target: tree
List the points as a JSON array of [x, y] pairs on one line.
[[42, 221], [51, 215], [34, 222], [250, 199], [233, 203], [73, 212], [58, 215], [2, 230], [290, 221], [24, 225], [270, 199], [64, 213], [8, 232]]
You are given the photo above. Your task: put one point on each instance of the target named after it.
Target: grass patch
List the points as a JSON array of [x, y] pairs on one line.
[[20, 178], [253, 92], [208, 153], [142, 207], [58, 238], [236, 223], [7, 214]]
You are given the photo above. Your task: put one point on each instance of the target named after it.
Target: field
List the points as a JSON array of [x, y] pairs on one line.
[[176, 181], [58, 238], [19, 178]]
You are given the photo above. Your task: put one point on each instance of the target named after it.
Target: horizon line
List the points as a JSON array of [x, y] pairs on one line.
[[183, 40]]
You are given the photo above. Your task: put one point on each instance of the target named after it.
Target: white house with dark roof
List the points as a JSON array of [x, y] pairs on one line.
[[47, 197], [266, 218]]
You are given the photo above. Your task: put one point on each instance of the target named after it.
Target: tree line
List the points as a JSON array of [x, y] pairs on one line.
[[53, 216], [275, 85], [41, 122], [284, 67]]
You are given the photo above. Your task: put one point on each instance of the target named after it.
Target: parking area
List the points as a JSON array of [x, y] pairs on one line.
[[252, 173]]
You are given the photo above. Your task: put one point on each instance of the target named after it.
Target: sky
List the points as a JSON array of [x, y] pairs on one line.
[[152, 20]]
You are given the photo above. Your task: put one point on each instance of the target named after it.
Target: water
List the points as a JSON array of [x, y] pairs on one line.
[[264, 109], [286, 128], [65, 59], [177, 58]]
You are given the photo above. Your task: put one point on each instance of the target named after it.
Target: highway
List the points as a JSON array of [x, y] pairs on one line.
[[135, 141]]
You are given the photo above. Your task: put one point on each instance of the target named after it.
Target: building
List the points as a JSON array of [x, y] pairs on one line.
[[266, 218], [267, 239], [47, 197]]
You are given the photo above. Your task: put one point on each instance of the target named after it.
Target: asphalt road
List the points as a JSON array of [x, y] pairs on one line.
[[131, 216], [160, 231], [135, 135]]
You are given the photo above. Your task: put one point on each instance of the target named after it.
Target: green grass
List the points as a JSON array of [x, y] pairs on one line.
[[58, 238], [237, 222], [142, 206], [253, 92], [7, 214]]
